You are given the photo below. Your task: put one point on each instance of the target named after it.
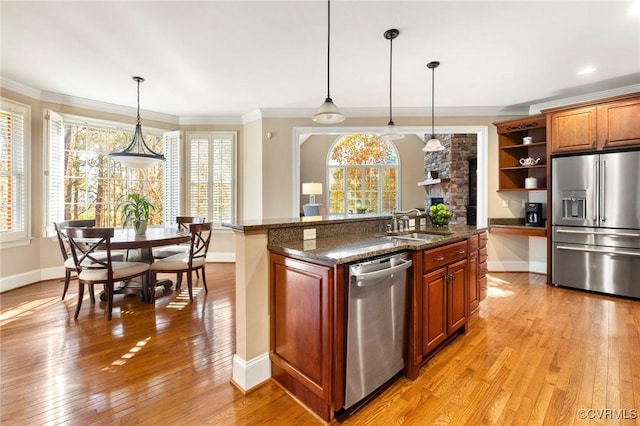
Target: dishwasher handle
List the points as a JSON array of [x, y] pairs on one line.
[[369, 276]]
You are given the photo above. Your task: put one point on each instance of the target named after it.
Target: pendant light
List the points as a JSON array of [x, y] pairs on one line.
[[433, 144], [391, 131], [138, 155], [328, 112]]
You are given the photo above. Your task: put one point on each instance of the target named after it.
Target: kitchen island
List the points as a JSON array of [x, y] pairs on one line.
[[314, 272]]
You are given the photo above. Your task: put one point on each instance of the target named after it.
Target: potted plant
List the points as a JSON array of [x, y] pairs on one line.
[[136, 209]]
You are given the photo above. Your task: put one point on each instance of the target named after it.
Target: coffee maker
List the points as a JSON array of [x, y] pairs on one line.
[[533, 214]]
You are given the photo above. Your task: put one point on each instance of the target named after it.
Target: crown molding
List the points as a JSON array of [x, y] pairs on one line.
[[262, 113], [536, 108], [230, 120], [471, 111]]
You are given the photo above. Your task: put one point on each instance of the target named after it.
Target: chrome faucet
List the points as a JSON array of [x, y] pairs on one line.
[[400, 224]]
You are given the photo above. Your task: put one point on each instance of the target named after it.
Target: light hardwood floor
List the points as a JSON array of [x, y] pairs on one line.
[[534, 354]]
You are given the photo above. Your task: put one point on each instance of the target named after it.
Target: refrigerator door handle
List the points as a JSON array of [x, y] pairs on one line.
[[595, 190], [606, 234], [619, 252], [603, 191]]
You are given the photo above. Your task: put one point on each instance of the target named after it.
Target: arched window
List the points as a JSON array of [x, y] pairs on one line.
[[363, 175]]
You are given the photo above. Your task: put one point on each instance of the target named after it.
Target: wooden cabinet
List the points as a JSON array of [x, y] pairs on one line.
[[482, 266], [606, 123], [477, 270], [619, 123], [474, 285], [444, 294], [511, 146], [307, 333]]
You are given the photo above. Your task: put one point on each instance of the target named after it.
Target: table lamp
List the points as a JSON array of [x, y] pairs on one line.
[[311, 189]]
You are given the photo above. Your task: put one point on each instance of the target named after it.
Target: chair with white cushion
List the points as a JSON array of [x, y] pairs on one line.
[[63, 241], [93, 268], [193, 260], [183, 225]]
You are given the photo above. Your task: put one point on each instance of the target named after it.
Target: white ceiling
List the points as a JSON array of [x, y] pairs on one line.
[[229, 58]]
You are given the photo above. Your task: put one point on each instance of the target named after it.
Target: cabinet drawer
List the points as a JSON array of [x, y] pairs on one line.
[[482, 240], [482, 255], [473, 243], [482, 269], [441, 256]]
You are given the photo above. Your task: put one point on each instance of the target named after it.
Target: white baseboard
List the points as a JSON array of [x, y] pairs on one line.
[[20, 280], [247, 374], [507, 265], [538, 267], [516, 266], [221, 256]]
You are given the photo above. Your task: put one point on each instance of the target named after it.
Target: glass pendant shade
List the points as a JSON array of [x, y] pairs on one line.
[[138, 155], [328, 113], [391, 133], [433, 145]]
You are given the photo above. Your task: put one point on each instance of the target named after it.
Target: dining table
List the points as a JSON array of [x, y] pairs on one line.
[[139, 248]]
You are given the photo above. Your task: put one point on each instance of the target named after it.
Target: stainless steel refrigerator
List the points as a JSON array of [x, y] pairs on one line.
[[595, 203]]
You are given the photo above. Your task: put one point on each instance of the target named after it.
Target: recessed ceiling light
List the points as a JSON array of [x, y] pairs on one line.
[[586, 70]]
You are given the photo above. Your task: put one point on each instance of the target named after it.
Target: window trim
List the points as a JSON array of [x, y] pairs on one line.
[[47, 229], [20, 238], [397, 165]]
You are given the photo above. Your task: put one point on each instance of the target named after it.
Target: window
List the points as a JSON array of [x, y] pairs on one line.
[[211, 186], [363, 175], [83, 183], [14, 142]]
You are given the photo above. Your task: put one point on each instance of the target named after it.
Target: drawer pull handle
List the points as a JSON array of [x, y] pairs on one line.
[[461, 251], [438, 258]]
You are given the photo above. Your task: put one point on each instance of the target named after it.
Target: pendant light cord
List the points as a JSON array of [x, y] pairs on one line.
[[433, 73], [328, 47], [138, 117], [390, 79]]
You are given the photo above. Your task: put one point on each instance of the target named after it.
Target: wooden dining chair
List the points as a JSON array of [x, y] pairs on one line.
[[63, 241], [183, 225], [92, 268], [193, 260]]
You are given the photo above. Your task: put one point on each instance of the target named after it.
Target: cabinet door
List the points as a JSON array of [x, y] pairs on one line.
[[574, 130], [619, 123], [474, 289], [434, 310], [301, 341], [457, 296]]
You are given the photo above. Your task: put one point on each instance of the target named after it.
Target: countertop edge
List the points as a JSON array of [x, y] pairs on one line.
[[335, 251]]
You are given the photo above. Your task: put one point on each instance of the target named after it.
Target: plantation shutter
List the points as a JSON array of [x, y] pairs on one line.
[[212, 168], [171, 177], [54, 171], [223, 165], [13, 197]]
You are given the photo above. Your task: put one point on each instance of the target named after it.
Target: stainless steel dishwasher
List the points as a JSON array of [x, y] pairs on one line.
[[376, 324]]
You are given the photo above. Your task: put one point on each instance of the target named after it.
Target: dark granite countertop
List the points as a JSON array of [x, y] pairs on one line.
[[263, 224], [349, 248]]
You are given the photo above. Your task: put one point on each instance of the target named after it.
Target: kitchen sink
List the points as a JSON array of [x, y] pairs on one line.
[[417, 236]]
